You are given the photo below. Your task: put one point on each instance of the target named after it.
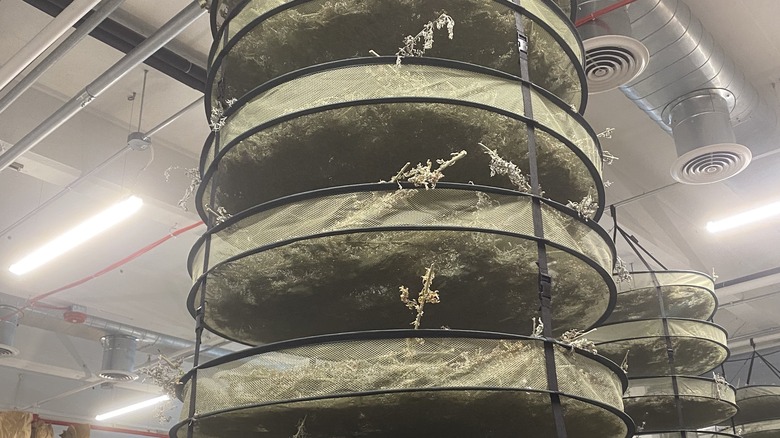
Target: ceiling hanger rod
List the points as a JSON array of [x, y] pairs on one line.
[[136, 56]]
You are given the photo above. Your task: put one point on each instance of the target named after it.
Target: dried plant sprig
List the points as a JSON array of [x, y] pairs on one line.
[[537, 329], [500, 166], [301, 431], [194, 175], [607, 158], [721, 384], [220, 214], [624, 364], [606, 133], [621, 271], [587, 207], [576, 339], [411, 47], [426, 296], [425, 175], [165, 373]]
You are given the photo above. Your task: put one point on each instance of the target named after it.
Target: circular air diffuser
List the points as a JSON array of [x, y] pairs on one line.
[[9, 317], [612, 61], [710, 164], [118, 358]]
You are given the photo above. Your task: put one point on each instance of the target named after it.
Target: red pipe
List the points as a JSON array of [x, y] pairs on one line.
[[594, 15], [34, 301], [105, 428]]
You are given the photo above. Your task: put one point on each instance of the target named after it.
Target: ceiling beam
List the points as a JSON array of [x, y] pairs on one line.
[[124, 39]]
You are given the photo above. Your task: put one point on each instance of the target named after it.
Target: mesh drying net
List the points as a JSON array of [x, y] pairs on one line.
[[258, 47], [485, 265], [685, 294], [410, 387], [687, 434], [652, 403], [698, 346], [261, 143], [759, 411]]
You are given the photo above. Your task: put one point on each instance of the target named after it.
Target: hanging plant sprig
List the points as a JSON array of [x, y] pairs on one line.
[[194, 175], [587, 207], [425, 175], [416, 45], [621, 271], [500, 166], [426, 296]]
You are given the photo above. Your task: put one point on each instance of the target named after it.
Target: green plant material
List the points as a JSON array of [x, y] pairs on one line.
[[327, 30], [348, 367], [364, 144], [491, 281], [680, 301], [426, 296]]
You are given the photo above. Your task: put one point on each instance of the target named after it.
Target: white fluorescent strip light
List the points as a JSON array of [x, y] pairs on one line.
[[131, 408], [745, 218], [78, 235]]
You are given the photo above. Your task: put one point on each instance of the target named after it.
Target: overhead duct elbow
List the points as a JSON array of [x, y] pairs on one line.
[[706, 146], [9, 317], [685, 61], [612, 56], [118, 358]]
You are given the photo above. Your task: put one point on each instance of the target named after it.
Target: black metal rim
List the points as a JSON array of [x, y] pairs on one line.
[[366, 187], [391, 60], [682, 271], [235, 142], [216, 54], [200, 280], [370, 335], [689, 433], [629, 423], [683, 377]]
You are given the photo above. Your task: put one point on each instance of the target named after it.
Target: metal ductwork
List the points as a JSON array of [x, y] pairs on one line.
[[118, 358], [694, 91], [612, 57], [9, 317], [79, 324]]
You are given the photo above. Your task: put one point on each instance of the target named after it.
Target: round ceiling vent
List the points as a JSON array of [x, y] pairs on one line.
[[612, 61], [117, 375], [713, 163], [7, 350]]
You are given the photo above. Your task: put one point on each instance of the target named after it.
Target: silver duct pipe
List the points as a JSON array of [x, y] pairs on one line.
[[93, 328], [136, 56], [103, 10], [686, 62], [9, 319], [118, 358]]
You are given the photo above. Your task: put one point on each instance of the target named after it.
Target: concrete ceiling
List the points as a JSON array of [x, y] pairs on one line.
[[149, 292]]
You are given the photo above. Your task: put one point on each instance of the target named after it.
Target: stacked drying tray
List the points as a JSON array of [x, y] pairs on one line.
[[660, 332], [313, 106]]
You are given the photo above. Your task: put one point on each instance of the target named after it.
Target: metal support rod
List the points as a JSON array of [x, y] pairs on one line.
[[172, 118], [103, 10], [44, 39], [161, 37]]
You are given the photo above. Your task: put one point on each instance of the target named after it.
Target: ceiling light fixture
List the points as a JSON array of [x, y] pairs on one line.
[[133, 407], [745, 218], [78, 235]]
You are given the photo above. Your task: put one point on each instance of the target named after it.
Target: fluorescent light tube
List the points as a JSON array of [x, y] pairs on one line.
[[78, 235], [131, 408], [745, 218]]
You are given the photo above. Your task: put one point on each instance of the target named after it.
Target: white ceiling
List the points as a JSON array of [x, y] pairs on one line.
[[150, 291]]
